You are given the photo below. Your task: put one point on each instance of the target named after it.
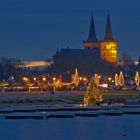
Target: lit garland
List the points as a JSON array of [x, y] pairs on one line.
[[93, 95]]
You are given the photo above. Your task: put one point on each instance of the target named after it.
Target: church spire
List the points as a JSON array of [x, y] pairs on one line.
[[108, 31], [92, 34]]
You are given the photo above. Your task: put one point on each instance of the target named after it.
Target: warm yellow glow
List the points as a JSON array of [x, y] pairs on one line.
[[3, 84], [84, 79], [108, 47], [54, 78], [113, 51], [44, 78], [80, 78], [109, 78], [34, 78], [35, 64], [105, 85], [58, 82], [109, 51], [24, 78]]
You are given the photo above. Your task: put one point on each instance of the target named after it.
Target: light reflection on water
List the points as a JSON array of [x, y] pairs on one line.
[[79, 128]]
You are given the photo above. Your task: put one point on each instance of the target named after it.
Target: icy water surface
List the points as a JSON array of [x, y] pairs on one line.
[[126, 127]]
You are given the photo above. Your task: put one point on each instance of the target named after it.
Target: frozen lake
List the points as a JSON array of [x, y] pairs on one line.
[[78, 128]]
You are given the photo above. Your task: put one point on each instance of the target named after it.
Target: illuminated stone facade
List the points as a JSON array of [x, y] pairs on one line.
[[109, 51], [90, 59], [108, 47]]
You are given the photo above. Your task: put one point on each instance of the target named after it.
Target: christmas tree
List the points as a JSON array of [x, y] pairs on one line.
[[93, 95]]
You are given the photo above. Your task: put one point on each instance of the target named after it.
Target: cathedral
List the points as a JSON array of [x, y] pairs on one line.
[[108, 47], [90, 59]]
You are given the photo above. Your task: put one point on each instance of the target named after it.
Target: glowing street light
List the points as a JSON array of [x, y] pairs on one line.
[[80, 78], [44, 79], [109, 78], [54, 80], [27, 81], [34, 78], [84, 79], [24, 78]]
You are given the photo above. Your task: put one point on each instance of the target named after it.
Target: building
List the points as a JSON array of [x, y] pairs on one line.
[[91, 58], [108, 47], [83, 59]]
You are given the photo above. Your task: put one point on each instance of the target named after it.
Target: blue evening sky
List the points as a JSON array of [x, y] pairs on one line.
[[34, 29]]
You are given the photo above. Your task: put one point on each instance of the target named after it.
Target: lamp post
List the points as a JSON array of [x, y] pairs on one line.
[[34, 79], [27, 81], [109, 80], [36, 82], [43, 81], [54, 80]]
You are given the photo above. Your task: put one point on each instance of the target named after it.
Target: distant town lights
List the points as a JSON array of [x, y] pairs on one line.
[[109, 78], [12, 78], [44, 79], [25, 79], [84, 79], [54, 78], [80, 78], [34, 78]]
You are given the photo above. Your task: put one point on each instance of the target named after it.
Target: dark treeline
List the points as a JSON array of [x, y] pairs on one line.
[[88, 63], [8, 67], [65, 64]]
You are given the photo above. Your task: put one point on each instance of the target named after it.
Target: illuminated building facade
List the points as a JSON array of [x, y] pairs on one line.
[[91, 59], [109, 51], [108, 47]]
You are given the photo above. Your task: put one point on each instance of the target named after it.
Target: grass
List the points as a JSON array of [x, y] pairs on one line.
[[24, 101], [74, 96], [119, 95], [78, 97]]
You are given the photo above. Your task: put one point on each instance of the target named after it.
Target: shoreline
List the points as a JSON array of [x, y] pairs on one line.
[[64, 105], [63, 97]]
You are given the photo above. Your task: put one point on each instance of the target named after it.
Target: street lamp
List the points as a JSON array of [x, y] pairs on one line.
[[84, 79], [27, 81], [54, 79], [80, 78], [44, 79], [109, 78], [34, 78], [24, 78]]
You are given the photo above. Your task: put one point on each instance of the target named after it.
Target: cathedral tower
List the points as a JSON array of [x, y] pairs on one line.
[[92, 41], [109, 46]]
